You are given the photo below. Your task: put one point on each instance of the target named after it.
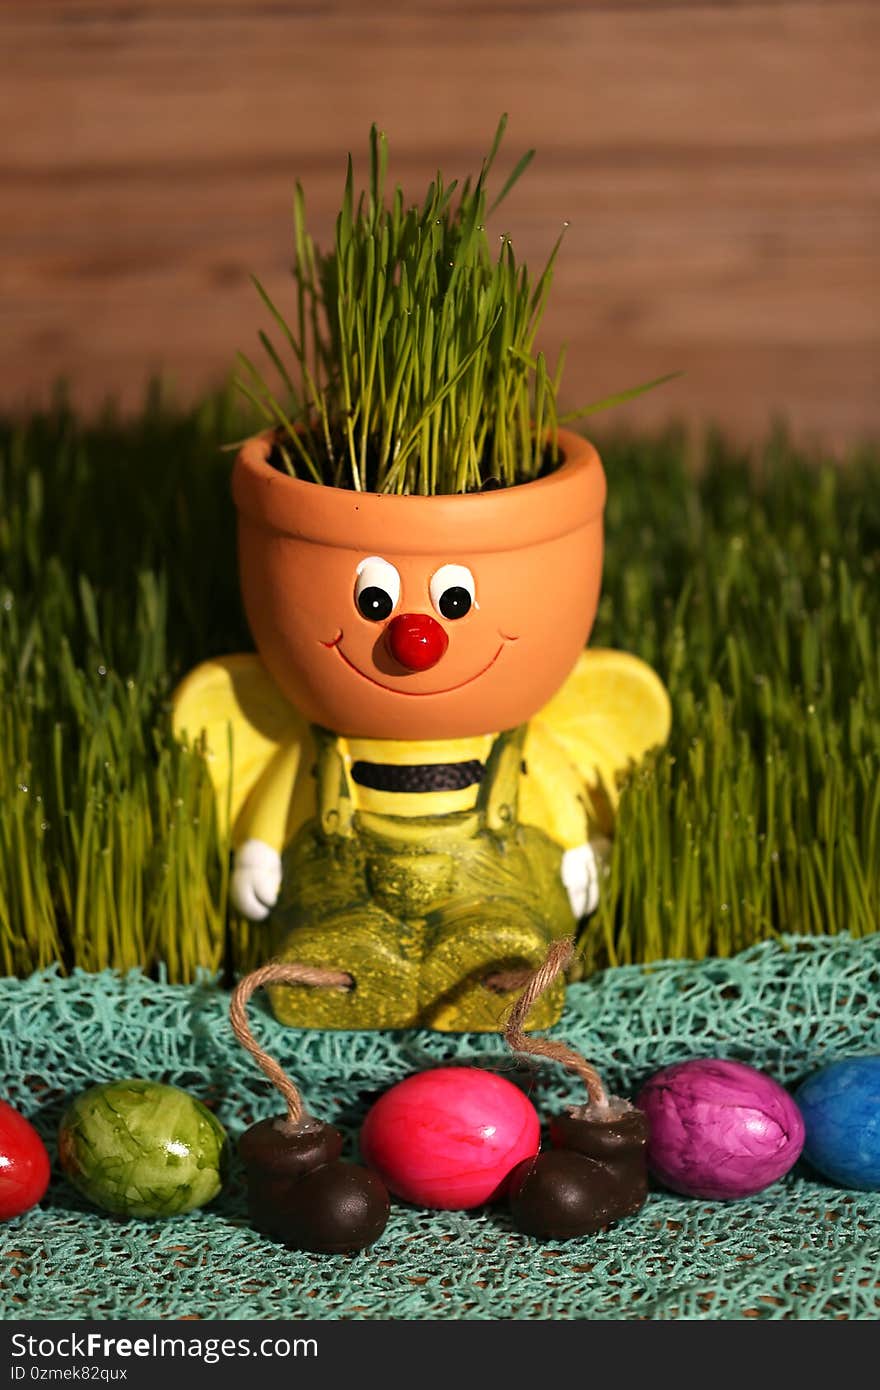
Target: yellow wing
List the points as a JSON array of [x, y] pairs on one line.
[[255, 743], [610, 711]]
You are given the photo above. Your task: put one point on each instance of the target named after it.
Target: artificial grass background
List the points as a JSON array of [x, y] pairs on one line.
[[753, 587]]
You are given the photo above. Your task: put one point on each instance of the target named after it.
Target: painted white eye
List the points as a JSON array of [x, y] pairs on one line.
[[452, 591], [377, 589]]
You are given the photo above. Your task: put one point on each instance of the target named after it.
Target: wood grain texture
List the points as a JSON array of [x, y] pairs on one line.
[[718, 164]]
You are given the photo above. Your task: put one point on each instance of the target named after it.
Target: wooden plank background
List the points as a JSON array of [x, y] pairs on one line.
[[718, 164]]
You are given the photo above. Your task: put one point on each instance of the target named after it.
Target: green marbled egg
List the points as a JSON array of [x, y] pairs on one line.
[[139, 1148]]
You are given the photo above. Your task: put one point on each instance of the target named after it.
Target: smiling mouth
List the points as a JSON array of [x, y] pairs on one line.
[[415, 694]]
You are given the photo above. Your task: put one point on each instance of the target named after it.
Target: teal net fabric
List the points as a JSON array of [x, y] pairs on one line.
[[802, 1249]]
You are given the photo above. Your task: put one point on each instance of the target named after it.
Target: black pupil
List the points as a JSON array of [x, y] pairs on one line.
[[455, 602], [374, 603]]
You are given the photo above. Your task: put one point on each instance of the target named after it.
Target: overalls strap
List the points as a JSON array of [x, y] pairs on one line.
[[333, 792], [498, 800]]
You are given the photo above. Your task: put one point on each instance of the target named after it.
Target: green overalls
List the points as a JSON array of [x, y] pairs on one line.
[[419, 911]]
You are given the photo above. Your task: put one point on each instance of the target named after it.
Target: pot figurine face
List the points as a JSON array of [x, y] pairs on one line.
[[405, 617]]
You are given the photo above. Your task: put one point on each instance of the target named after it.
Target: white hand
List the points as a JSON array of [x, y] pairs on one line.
[[256, 879], [580, 875]]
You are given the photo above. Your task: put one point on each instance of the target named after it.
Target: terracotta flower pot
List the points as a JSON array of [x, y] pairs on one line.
[[478, 605]]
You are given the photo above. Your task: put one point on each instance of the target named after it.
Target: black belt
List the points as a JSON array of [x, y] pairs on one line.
[[417, 777]]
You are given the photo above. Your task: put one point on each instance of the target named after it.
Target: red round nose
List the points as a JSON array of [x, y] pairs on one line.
[[416, 640]]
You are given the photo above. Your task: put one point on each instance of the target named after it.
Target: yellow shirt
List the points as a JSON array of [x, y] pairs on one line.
[[262, 758], [371, 764]]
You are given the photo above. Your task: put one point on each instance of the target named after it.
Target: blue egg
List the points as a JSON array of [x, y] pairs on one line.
[[841, 1110]]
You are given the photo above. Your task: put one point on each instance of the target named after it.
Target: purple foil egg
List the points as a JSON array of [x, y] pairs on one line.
[[719, 1129]]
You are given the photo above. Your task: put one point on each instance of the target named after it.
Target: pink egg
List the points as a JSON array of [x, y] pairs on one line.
[[719, 1129], [449, 1138]]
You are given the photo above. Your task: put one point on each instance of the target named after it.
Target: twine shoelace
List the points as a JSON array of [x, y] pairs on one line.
[[557, 959], [532, 986], [278, 973]]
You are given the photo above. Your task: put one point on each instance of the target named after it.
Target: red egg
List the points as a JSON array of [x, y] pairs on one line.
[[24, 1164], [450, 1138]]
